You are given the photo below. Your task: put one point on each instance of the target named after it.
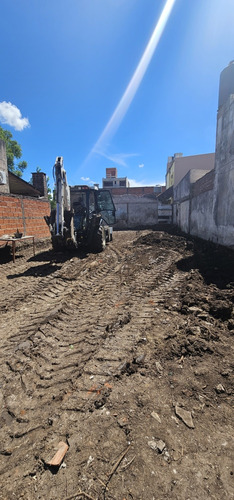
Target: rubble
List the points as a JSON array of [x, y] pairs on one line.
[[220, 389], [185, 416]]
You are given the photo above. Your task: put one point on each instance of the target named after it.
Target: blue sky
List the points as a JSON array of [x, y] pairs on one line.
[[66, 64]]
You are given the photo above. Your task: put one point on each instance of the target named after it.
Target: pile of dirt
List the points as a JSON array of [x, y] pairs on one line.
[[163, 240]]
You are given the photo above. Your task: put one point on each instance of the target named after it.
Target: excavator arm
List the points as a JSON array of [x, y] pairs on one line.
[[62, 194]]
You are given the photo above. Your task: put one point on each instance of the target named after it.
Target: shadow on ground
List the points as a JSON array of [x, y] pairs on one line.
[[37, 271], [58, 257], [50, 262], [214, 262], [5, 254]]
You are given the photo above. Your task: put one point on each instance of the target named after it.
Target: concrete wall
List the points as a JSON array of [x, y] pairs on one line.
[[183, 194], [4, 187], [183, 190], [205, 208], [223, 202], [184, 217], [135, 211], [201, 216], [212, 204], [25, 214]]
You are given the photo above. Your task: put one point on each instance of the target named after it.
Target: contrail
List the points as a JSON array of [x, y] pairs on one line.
[[129, 94]]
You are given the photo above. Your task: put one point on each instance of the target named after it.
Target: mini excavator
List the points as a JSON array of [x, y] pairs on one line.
[[84, 215]]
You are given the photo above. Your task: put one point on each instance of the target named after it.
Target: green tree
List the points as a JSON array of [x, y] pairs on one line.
[[13, 151]]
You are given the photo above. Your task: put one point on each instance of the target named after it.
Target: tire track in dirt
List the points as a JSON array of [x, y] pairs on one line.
[[83, 322], [50, 312], [25, 372], [53, 324], [79, 364]]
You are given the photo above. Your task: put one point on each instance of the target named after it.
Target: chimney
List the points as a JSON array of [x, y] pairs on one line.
[[111, 173], [39, 183]]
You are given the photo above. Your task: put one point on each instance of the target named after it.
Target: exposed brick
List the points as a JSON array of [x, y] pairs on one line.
[[132, 190], [17, 212]]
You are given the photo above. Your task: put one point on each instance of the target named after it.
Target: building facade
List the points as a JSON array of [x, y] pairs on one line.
[[113, 181], [178, 166]]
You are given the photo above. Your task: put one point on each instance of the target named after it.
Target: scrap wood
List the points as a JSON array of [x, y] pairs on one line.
[[115, 467], [127, 465], [103, 484], [59, 455]]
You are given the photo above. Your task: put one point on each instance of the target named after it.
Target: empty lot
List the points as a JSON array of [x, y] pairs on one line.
[[127, 357]]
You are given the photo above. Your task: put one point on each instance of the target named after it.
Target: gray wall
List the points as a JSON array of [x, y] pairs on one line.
[[4, 187], [223, 202], [133, 211], [205, 208], [183, 190], [183, 194], [201, 216]]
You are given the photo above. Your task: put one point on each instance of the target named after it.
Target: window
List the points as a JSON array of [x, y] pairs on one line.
[[91, 201], [107, 183], [106, 206]]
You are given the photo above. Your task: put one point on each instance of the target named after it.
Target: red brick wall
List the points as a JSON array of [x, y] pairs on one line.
[[132, 190], [25, 214], [111, 172]]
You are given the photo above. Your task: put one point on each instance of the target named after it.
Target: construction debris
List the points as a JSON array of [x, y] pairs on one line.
[[185, 416], [59, 455]]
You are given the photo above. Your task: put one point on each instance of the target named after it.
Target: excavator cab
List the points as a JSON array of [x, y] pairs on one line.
[[94, 216], [106, 206], [80, 212]]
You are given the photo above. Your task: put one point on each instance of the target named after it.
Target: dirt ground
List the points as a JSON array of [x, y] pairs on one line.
[[126, 356]]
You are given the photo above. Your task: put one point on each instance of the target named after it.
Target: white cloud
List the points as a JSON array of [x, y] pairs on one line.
[[88, 180], [11, 115], [141, 165]]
